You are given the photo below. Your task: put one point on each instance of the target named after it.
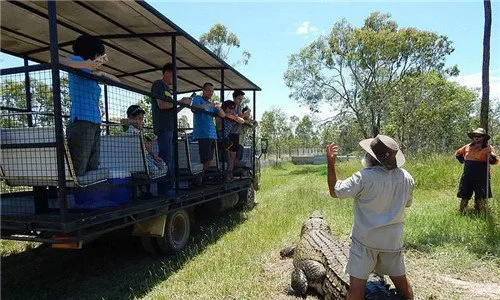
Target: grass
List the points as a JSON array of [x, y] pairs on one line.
[[235, 256]]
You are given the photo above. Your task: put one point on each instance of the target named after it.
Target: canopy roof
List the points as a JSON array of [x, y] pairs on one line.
[[137, 37]]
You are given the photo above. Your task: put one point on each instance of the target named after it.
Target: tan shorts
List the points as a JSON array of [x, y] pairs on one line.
[[364, 261]]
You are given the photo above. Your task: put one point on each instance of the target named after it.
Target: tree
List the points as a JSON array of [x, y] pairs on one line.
[[42, 102], [343, 132], [219, 40], [429, 114], [485, 100], [275, 128], [355, 69], [182, 122], [305, 132]]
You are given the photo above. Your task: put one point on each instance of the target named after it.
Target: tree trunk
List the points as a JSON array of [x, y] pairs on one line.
[[485, 101]]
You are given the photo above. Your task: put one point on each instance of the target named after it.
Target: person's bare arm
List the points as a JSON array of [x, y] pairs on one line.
[[164, 104], [106, 75], [235, 118], [331, 156], [185, 100], [87, 64]]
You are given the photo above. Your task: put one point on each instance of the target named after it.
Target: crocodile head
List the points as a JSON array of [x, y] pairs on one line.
[[315, 222]]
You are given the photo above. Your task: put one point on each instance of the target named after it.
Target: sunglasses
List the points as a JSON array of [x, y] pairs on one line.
[[477, 136]]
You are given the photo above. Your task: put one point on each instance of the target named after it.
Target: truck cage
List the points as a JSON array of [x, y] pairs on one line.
[[38, 183]]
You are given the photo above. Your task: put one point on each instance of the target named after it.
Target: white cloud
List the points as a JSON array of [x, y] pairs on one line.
[[474, 81], [305, 28]]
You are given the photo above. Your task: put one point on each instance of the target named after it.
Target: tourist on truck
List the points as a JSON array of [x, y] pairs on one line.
[[84, 127], [203, 124], [164, 117]]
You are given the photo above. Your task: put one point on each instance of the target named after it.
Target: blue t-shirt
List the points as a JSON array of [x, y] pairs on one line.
[[203, 124], [84, 94]]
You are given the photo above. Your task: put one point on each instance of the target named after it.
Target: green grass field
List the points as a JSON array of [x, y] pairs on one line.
[[236, 256]]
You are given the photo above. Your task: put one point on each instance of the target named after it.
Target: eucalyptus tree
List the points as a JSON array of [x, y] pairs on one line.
[[356, 69], [305, 132], [220, 41], [275, 128], [428, 114]]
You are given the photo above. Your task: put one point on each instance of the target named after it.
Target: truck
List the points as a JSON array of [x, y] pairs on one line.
[[42, 197]]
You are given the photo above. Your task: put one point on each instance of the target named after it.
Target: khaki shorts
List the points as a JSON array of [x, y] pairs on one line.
[[364, 261]]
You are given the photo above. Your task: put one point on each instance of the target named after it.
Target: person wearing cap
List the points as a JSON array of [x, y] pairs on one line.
[[164, 116], [476, 157], [381, 191], [132, 125]]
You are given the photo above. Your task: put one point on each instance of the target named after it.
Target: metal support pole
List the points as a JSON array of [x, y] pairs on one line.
[[56, 93], [106, 107], [224, 156], [253, 134], [27, 88], [222, 85], [176, 127]]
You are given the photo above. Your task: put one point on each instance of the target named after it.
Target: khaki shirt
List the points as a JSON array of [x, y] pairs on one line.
[[380, 197]]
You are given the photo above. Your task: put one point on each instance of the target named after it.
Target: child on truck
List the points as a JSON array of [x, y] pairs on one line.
[[224, 126], [132, 125]]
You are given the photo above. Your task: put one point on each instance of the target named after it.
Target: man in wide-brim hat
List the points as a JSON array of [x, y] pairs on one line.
[[381, 191], [476, 157]]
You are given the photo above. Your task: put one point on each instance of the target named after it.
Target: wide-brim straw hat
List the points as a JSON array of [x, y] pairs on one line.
[[479, 130], [385, 150]]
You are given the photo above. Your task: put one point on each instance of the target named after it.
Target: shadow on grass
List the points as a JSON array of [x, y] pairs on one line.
[[112, 267]]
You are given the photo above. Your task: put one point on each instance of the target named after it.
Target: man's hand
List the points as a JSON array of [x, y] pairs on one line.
[[186, 100], [91, 64], [331, 154]]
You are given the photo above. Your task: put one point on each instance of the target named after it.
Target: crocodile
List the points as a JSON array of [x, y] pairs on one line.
[[319, 261]]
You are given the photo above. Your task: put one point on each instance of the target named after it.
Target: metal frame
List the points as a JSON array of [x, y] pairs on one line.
[[79, 225]]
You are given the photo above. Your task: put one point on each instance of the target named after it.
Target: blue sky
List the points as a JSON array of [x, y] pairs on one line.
[[271, 31]]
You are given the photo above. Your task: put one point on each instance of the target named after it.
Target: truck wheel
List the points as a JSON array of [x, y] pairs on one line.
[[247, 198], [177, 230]]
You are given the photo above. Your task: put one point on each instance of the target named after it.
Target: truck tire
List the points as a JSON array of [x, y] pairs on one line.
[[177, 231], [247, 198]]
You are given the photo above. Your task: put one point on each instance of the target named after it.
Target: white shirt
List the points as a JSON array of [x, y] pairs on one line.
[[380, 197]]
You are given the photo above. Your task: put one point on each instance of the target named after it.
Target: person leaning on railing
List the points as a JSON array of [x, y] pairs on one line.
[[164, 117], [225, 126], [203, 124], [83, 132], [476, 157]]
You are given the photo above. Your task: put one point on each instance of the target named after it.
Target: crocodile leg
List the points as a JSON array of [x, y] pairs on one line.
[[287, 252], [299, 282], [308, 274]]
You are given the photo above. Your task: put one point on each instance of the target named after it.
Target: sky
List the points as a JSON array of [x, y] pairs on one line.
[[273, 30]]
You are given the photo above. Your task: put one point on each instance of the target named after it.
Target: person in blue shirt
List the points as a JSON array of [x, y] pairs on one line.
[[84, 131], [203, 124]]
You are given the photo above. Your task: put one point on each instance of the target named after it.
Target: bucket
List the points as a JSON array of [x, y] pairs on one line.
[[119, 187], [117, 191]]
